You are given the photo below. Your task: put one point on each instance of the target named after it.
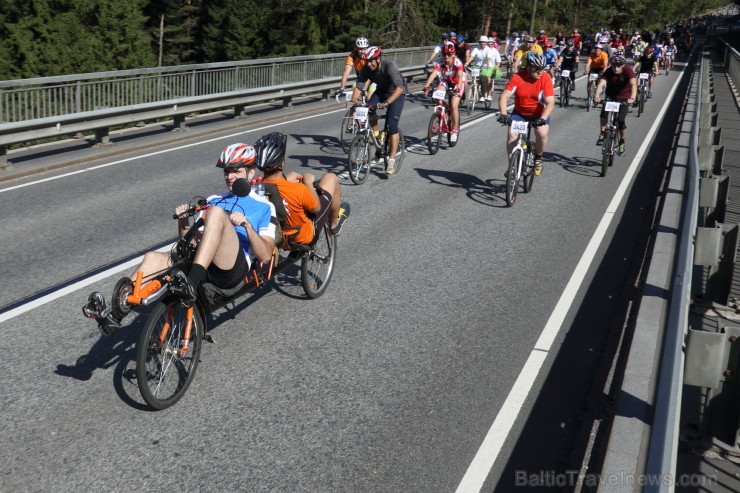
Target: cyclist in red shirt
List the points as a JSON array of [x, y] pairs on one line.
[[451, 72], [534, 101]]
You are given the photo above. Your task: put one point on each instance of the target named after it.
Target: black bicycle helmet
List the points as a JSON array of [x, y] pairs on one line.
[[270, 151]]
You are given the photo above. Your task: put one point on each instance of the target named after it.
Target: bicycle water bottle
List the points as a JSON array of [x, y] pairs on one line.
[[260, 187], [381, 138], [254, 184]]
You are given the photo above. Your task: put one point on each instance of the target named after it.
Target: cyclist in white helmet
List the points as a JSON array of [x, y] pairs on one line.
[[355, 60]]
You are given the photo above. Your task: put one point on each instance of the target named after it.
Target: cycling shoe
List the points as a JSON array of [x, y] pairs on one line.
[[182, 287]]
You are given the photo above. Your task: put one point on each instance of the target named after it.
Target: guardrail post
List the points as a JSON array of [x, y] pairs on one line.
[[716, 248], [102, 138], [714, 192], [179, 122], [710, 158], [240, 111], [288, 102], [713, 362], [709, 135], [4, 164]]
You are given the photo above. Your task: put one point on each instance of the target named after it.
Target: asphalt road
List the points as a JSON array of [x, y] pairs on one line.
[[389, 382]]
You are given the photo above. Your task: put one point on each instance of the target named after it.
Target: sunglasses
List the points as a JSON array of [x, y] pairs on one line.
[[534, 69], [448, 55]]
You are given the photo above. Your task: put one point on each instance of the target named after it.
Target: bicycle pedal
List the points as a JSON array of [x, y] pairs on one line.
[[97, 308]]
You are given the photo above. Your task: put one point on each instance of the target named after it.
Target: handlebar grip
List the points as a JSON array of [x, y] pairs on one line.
[[191, 211]]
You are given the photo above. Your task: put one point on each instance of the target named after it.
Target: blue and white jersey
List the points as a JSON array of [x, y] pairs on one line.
[[258, 213]]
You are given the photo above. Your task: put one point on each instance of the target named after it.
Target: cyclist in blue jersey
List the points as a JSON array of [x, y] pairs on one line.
[[551, 58]]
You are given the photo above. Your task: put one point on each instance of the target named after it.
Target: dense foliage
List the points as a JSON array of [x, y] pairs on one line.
[[52, 37]]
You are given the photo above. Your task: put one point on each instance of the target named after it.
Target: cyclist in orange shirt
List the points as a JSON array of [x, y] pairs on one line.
[[307, 209], [534, 100], [596, 63], [355, 60]]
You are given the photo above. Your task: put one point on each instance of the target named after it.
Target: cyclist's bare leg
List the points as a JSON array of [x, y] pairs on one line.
[[219, 244], [454, 103], [330, 183], [511, 143], [153, 263], [541, 137]]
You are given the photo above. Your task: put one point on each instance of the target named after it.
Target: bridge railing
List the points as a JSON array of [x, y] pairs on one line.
[[48, 107]]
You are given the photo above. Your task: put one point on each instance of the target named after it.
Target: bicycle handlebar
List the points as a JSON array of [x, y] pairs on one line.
[[192, 210]]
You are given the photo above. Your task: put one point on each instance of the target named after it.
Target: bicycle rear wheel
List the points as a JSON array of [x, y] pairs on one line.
[[317, 266], [512, 183], [434, 133], [348, 131], [163, 376], [358, 160]]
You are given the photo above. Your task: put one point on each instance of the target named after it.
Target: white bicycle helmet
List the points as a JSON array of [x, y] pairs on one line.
[[362, 43], [236, 156]]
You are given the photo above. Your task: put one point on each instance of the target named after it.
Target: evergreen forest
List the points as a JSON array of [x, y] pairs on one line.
[[40, 38]]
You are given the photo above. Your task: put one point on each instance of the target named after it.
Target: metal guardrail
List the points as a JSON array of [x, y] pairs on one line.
[[33, 109], [663, 449], [731, 62]]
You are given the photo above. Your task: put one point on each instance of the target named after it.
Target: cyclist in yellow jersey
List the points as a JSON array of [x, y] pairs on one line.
[[520, 57]]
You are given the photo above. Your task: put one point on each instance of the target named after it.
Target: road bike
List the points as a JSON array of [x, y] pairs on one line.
[[611, 134], [592, 78], [475, 90], [642, 88], [365, 145], [565, 83], [521, 161], [168, 350], [440, 122]]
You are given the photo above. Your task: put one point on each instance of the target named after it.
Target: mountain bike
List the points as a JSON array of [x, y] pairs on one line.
[[642, 88], [349, 125], [611, 134], [592, 78], [565, 83], [365, 145], [440, 122], [474, 90], [521, 161], [668, 63], [168, 350]]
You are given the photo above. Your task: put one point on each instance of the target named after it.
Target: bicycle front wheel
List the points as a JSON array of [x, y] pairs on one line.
[[358, 160], [472, 98], [348, 131], [163, 375], [606, 152], [528, 178], [433, 133], [567, 92], [487, 102], [317, 266], [512, 182]]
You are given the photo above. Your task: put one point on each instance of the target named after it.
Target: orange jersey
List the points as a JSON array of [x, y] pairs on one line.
[[297, 200], [530, 94], [600, 61], [356, 61]]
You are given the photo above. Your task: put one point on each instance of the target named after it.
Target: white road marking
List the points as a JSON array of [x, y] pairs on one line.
[[492, 444]]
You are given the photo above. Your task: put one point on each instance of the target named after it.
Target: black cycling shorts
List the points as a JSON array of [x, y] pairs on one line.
[[226, 279]]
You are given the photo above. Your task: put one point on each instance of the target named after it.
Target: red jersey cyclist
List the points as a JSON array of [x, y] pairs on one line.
[[451, 72], [534, 100]]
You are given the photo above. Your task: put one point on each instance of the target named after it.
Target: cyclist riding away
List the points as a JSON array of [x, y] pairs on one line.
[[620, 84], [390, 92], [354, 60], [534, 100], [236, 230], [452, 78], [299, 193]]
